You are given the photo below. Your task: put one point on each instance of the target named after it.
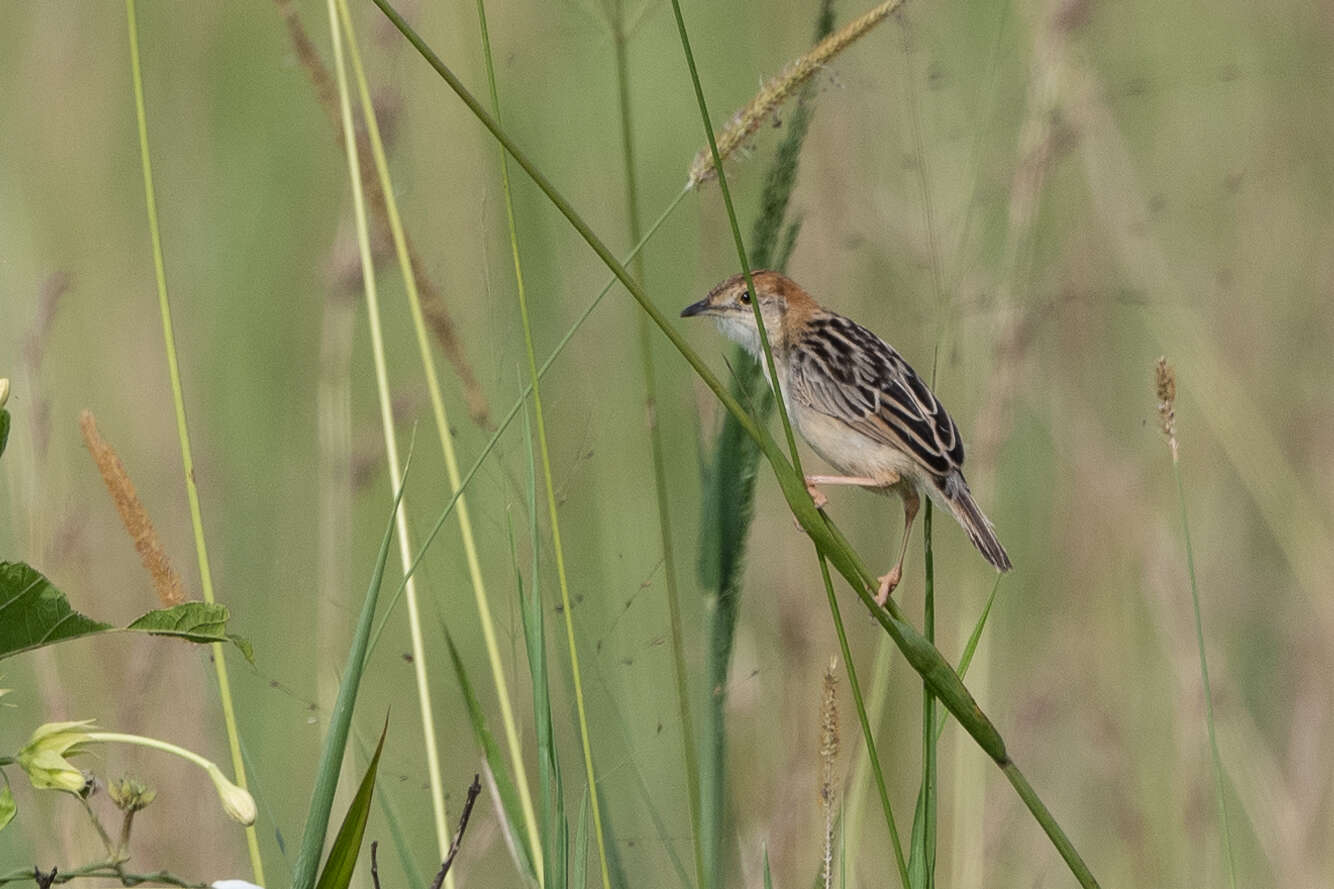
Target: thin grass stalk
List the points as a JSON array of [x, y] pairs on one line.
[[555, 828], [736, 233], [733, 449], [688, 738], [868, 734], [966, 659], [924, 830], [183, 433], [861, 781], [434, 779], [513, 412], [774, 383], [1167, 391], [441, 417], [544, 451], [1204, 679], [923, 657]]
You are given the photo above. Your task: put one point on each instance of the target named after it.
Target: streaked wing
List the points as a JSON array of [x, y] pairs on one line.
[[843, 370]]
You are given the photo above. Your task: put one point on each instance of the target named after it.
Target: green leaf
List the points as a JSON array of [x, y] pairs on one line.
[[340, 722], [342, 861], [33, 613], [7, 807], [4, 430]]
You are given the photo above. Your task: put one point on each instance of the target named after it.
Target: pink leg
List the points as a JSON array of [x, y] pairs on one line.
[[860, 481], [911, 503]]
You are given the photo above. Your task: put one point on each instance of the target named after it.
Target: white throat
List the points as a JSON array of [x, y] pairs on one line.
[[745, 335]]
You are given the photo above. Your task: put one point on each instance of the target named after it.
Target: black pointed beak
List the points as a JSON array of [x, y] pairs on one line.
[[698, 308]]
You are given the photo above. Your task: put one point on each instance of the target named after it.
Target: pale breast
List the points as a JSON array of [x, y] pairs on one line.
[[847, 450]]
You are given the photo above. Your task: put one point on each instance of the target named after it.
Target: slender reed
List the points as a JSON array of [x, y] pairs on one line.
[[1166, 386], [435, 782], [552, 514], [620, 40], [431, 300], [183, 433], [446, 442], [923, 657], [772, 368]]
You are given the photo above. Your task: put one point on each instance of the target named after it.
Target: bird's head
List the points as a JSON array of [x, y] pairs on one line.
[[782, 302]]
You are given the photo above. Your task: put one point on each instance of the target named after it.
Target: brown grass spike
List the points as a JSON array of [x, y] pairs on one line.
[[132, 513], [432, 303]]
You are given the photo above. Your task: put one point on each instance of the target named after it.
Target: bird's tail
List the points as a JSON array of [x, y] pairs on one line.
[[979, 528]]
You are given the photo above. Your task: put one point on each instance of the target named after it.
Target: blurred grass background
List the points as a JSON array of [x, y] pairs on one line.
[[1109, 182]]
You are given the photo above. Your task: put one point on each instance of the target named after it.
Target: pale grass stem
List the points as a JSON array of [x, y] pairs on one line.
[[440, 817], [133, 516], [433, 307], [690, 758], [183, 431], [446, 444], [1166, 387], [777, 90]]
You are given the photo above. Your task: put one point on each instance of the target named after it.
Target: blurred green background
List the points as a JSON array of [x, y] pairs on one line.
[[1107, 182]]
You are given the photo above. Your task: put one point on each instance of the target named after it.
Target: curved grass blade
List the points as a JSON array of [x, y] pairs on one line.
[[340, 721], [342, 861], [511, 810]]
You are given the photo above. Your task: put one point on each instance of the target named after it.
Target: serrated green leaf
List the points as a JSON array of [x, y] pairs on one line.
[[343, 854], [33, 613]]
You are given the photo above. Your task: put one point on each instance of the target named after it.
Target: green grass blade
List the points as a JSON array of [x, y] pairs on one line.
[[389, 810], [505, 421], [544, 451], [551, 812], [970, 648], [555, 830], [420, 671], [183, 433], [868, 734], [442, 427], [346, 847], [921, 655], [340, 720], [1168, 395], [689, 752], [922, 858], [768, 877], [729, 483], [511, 810]]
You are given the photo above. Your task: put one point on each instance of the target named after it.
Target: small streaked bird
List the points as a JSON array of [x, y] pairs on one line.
[[857, 403]]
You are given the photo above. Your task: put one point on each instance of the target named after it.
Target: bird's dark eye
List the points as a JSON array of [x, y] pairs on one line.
[[745, 297]]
